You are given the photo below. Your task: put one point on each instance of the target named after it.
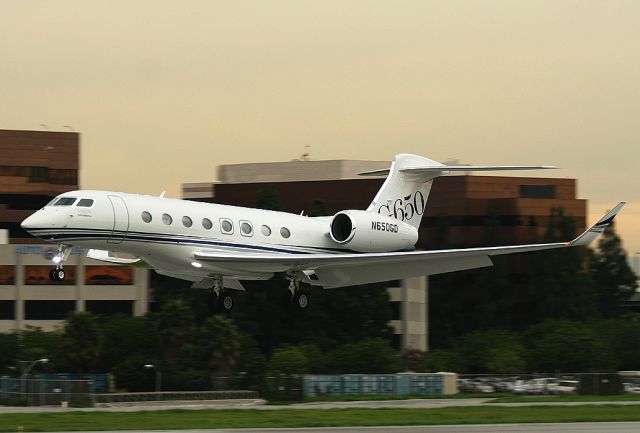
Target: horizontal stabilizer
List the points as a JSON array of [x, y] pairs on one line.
[[447, 168]]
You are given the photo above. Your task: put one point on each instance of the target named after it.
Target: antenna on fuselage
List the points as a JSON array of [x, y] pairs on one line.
[[162, 194]]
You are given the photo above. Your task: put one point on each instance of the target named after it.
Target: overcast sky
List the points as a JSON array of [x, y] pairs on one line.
[[164, 91]]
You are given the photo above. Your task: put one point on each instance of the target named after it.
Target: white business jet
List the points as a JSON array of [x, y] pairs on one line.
[[217, 246]]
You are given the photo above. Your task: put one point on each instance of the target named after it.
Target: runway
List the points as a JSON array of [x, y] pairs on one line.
[[615, 427]]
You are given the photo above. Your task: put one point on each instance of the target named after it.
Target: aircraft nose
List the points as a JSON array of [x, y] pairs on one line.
[[33, 222]]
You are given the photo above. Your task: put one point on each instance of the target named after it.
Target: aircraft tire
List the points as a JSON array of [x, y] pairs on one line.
[[301, 300], [225, 302], [58, 274]]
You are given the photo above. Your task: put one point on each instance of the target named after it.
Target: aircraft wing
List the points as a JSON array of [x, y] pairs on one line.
[[338, 270]]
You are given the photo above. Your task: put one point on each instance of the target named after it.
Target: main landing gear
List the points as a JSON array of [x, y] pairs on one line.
[[299, 298], [219, 300], [57, 273]]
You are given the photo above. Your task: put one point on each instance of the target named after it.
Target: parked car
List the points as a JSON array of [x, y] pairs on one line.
[[567, 386], [544, 385]]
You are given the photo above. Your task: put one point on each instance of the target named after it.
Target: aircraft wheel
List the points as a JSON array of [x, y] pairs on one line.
[[225, 302], [301, 300], [57, 274]]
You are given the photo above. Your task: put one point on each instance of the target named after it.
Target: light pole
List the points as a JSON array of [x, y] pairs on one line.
[[26, 371], [158, 376]]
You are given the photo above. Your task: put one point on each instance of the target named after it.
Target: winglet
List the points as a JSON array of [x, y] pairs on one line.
[[594, 231]]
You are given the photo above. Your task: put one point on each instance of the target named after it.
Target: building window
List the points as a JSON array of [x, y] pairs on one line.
[[108, 275], [537, 191], [7, 275], [48, 310], [146, 217], [246, 228], [166, 218], [109, 308], [266, 230], [396, 310], [284, 232], [206, 223], [7, 310], [186, 221], [226, 226], [38, 275], [85, 202]]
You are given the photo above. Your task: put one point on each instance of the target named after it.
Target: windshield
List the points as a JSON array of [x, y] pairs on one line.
[[65, 201]]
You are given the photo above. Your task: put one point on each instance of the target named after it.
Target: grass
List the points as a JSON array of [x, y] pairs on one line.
[[292, 418], [331, 398], [508, 398]]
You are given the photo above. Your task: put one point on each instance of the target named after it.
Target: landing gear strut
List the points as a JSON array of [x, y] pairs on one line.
[[57, 273], [219, 299], [299, 298]]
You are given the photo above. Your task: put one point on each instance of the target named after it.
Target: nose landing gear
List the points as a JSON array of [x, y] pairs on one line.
[[57, 273]]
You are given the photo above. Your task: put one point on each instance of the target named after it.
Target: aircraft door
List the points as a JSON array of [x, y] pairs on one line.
[[120, 219]]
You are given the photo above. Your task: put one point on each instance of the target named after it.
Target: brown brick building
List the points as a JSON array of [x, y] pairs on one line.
[[520, 205], [35, 166]]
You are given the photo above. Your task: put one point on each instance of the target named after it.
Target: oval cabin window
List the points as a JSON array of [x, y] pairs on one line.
[[206, 223], [166, 218]]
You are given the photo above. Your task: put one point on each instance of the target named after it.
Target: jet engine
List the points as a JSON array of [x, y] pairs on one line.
[[369, 232]]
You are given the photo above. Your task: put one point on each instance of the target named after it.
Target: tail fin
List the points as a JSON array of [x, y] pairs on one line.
[[404, 194]]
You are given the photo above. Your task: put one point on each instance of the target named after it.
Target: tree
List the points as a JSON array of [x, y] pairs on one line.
[[567, 346], [560, 287], [623, 336], [318, 208], [372, 355], [126, 336], [267, 198], [82, 341], [9, 347], [220, 337], [614, 280], [494, 351], [287, 361]]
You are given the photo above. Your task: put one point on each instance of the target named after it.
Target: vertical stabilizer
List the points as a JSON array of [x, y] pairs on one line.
[[404, 194]]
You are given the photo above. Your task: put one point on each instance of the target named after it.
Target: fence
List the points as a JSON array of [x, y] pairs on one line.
[[30, 391], [380, 384]]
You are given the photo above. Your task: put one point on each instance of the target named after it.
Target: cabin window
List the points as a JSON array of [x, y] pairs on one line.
[[226, 226], [206, 223], [166, 218], [146, 217], [266, 230], [186, 221], [284, 232], [65, 201], [85, 202], [246, 228]]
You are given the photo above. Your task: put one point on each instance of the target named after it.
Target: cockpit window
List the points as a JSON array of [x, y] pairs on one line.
[[85, 202], [65, 201]]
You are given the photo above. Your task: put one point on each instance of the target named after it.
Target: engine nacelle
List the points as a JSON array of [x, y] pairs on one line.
[[370, 232]]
